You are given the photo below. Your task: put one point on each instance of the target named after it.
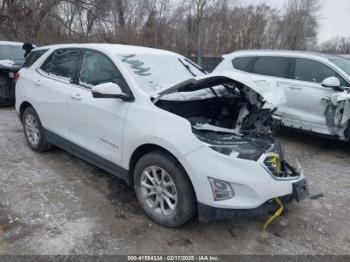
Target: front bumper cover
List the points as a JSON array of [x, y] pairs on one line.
[[207, 213]]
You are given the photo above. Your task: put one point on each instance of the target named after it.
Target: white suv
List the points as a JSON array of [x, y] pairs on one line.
[[315, 86], [189, 143]]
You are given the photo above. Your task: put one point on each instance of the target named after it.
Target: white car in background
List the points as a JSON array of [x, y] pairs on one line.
[[315, 86], [189, 143]]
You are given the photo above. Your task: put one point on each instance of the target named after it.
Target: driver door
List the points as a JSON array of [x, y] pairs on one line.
[[96, 124]]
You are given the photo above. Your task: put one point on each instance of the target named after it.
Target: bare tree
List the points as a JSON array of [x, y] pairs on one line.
[[299, 24], [338, 45], [191, 27]]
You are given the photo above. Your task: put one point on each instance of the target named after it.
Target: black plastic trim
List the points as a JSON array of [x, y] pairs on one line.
[[208, 214], [88, 156]]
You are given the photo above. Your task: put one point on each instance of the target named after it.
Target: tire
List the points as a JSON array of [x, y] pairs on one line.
[[276, 126], [174, 187], [33, 131], [347, 132]]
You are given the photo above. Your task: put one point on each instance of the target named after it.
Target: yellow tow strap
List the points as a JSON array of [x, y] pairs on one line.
[[277, 213]]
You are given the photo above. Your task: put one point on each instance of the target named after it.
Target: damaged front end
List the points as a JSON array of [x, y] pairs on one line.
[[337, 114], [230, 117]]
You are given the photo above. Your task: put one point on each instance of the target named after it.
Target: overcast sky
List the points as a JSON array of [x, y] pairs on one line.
[[334, 17]]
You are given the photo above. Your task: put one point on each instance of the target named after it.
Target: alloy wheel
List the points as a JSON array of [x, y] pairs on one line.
[[32, 129], [159, 190]]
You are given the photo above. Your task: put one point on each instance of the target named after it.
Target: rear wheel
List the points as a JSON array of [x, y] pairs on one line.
[[347, 132], [33, 131], [276, 126], [164, 190]]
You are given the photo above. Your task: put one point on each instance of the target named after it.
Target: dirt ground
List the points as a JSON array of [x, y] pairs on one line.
[[54, 203]]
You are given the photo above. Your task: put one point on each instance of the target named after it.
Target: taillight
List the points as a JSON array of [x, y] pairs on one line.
[[16, 76]]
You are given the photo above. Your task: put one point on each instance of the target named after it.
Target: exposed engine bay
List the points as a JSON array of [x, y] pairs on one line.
[[227, 115], [230, 107]]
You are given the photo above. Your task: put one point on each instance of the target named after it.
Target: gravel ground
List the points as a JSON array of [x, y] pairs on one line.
[[54, 203]]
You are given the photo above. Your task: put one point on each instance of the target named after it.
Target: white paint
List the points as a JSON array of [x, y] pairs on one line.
[[129, 125]]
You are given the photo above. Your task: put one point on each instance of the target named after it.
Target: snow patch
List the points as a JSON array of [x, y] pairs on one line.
[[7, 63]]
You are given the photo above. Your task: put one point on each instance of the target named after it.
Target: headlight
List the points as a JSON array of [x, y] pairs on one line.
[[221, 190]]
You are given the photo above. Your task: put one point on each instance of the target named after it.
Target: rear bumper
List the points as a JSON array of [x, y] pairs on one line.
[[208, 214]]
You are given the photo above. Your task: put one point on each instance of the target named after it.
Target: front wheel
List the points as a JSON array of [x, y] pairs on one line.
[[164, 190]]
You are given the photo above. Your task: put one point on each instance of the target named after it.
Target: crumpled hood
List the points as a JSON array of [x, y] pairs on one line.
[[271, 94]]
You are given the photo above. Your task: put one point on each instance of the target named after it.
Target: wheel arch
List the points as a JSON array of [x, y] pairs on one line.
[[148, 148], [23, 107]]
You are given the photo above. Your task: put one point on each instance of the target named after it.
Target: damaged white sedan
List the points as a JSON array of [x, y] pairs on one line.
[[315, 86], [190, 144]]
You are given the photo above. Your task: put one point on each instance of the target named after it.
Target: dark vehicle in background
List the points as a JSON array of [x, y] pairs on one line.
[[11, 60]]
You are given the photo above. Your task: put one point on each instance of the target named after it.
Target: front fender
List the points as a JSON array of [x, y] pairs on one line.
[[151, 125]]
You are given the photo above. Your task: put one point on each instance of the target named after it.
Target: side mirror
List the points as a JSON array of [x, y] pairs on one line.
[[332, 82], [109, 90]]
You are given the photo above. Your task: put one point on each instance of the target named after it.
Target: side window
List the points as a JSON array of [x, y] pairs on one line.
[[242, 63], [62, 63], [272, 66], [47, 64], [313, 71], [96, 68], [33, 57]]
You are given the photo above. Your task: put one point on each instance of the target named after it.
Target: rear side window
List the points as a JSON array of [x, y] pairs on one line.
[[33, 57], [272, 66], [242, 63], [313, 71], [62, 63]]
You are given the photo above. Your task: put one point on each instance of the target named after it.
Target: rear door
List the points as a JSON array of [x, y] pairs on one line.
[[52, 86], [96, 124], [278, 70]]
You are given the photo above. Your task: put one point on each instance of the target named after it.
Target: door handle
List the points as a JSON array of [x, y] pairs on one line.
[[37, 82], [295, 88], [76, 96]]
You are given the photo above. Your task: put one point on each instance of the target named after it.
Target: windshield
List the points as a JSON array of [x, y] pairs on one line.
[[155, 72], [344, 64]]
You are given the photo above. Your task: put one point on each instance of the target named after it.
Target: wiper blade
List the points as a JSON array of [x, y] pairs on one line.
[[187, 67], [196, 66]]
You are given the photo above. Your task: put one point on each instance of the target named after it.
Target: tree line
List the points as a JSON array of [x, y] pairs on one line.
[[190, 27]]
